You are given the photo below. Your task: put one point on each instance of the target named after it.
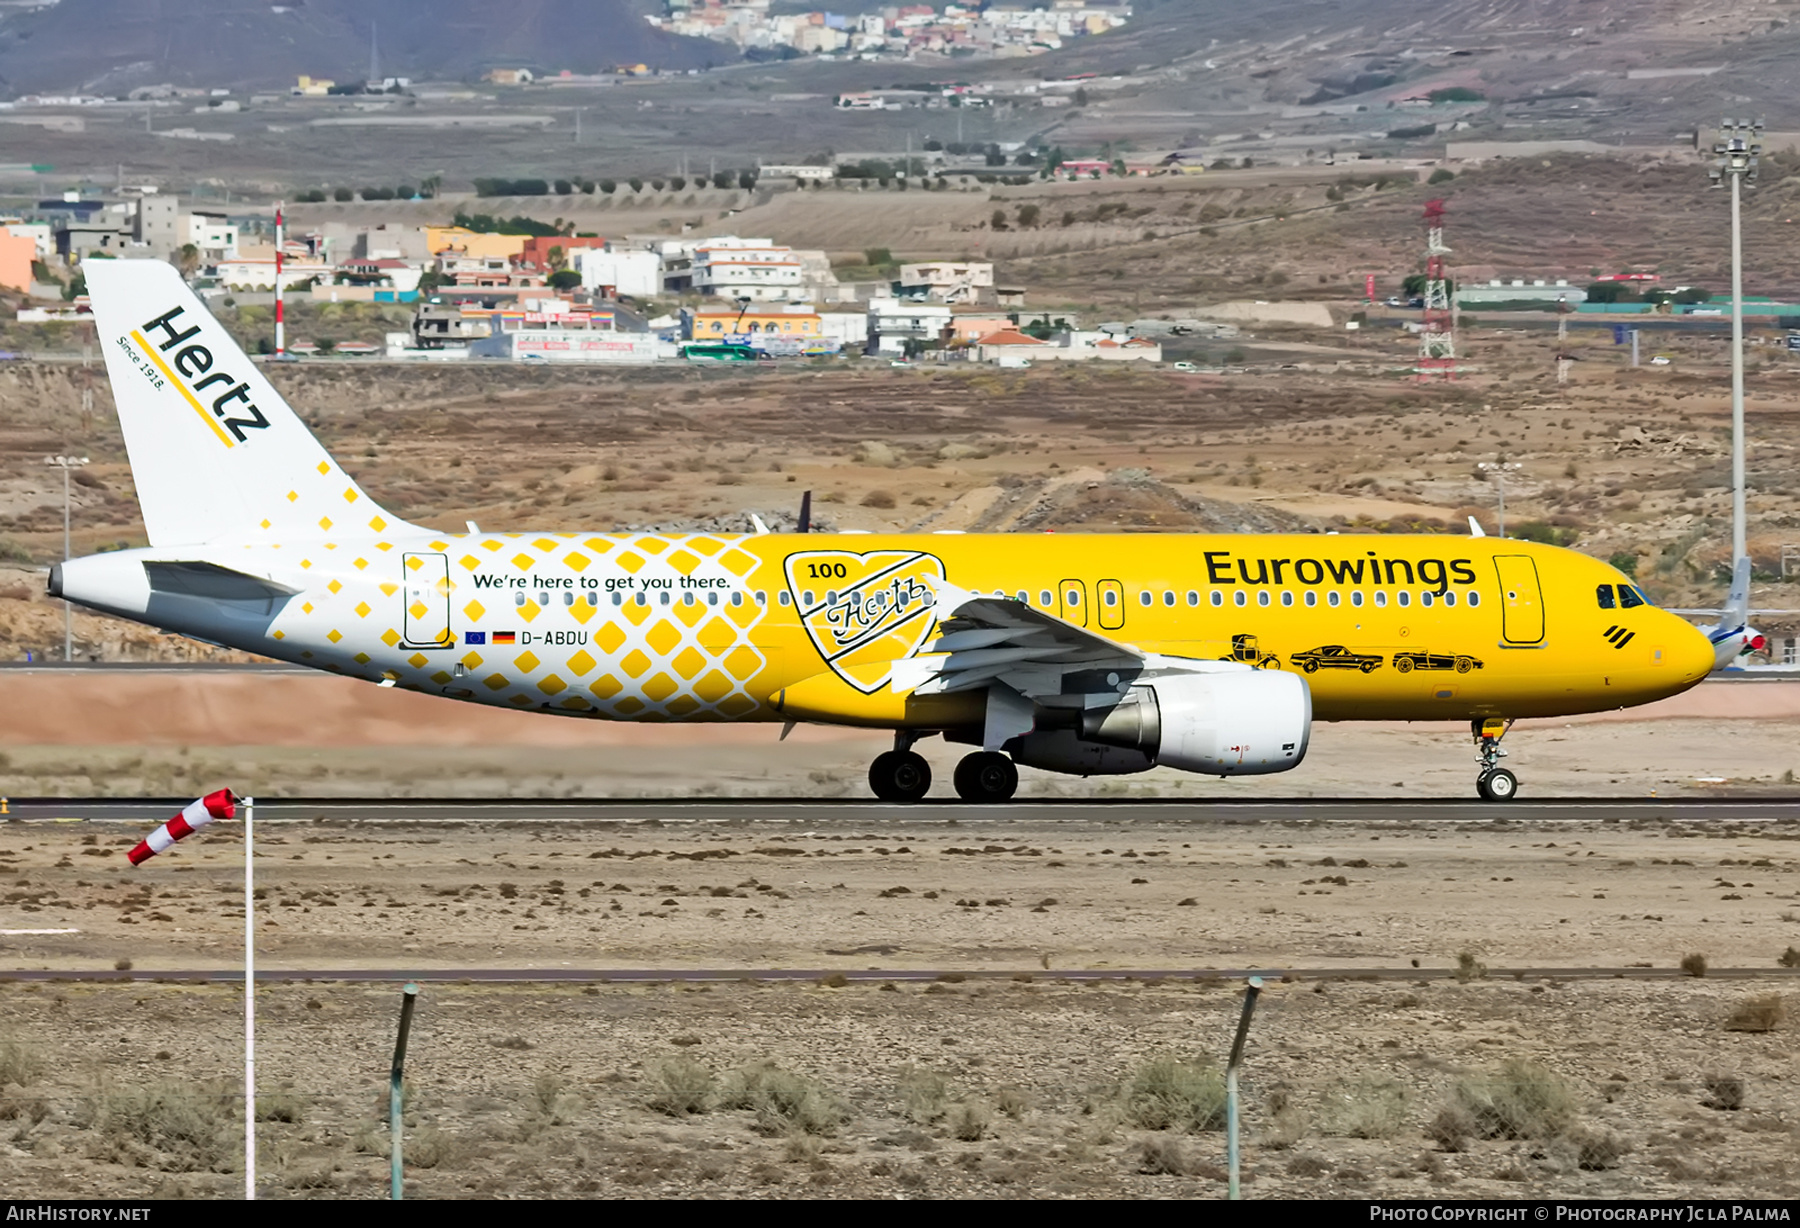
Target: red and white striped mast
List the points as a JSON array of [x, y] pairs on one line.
[[280, 243]]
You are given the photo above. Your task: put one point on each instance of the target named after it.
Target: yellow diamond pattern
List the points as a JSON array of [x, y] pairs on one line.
[[577, 561], [494, 682], [552, 685], [390, 637], [690, 662], [469, 562], [661, 687], [334, 635], [418, 660], [526, 661], [663, 637], [349, 494], [523, 561], [362, 609], [609, 637], [417, 609], [474, 610], [581, 663], [635, 663], [388, 588]]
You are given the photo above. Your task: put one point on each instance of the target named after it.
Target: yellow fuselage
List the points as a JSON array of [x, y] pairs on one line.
[[783, 626]]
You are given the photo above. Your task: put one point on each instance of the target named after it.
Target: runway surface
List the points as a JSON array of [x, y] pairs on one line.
[[606, 976], [838, 810]]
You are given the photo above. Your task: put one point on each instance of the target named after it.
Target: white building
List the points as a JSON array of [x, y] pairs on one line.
[[849, 329], [616, 273], [947, 281], [893, 323], [732, 268], [214, 236]]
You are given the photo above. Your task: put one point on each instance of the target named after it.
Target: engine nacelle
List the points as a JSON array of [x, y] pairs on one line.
[[1246, 723], [1061, 750]]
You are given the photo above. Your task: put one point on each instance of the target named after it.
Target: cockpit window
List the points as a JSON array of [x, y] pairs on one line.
[[1604, 594], [1629, 597]]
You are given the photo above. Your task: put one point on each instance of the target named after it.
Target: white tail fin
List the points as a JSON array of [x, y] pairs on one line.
[[217, 455], [1737, 602]]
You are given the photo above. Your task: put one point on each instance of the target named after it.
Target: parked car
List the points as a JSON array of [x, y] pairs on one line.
[[1406, 662], [1334, 656], [1186, 366]]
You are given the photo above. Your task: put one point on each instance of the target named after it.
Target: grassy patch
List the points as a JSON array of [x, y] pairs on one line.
[[1522, 1099], [1167, 1093]]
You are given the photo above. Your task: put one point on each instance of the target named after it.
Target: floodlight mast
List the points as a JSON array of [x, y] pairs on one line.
[[1739, 152]]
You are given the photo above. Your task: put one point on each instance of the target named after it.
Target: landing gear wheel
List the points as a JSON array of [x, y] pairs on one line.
[[1498, 785], [986, 776], [900, 776]]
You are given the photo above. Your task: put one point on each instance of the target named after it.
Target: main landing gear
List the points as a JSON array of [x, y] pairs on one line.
[[986, 776], [902, 775], [1495, 784]]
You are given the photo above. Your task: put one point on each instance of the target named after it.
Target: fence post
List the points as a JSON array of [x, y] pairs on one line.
[[1231, 1088], [249, 999], [409, 996]]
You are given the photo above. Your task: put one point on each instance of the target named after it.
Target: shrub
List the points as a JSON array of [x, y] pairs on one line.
[[1167, 1155], [1596, 1148], [1789, 958], [177, 1127], [687, 1087], [1167, 1093], [18, 1064], [281, 1106], [1452, 1128], [1373, 1106], [435, 1148], [1694, 965], [1442, 174], [1521, 1100], [1468, 968], [1763, 1013], [1724, 1092], [878, 499], [784, 1102], [925, 1095], [969, 1121]]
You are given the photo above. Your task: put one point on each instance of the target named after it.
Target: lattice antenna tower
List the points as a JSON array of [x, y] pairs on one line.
[[1437, 335]]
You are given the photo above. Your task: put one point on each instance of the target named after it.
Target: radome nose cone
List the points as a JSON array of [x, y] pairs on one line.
[[1694, 654]]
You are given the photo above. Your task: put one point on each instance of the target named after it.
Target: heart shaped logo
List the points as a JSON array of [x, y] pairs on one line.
[[863, 612]]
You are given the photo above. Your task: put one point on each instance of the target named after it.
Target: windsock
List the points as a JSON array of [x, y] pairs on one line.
[[220, 805]]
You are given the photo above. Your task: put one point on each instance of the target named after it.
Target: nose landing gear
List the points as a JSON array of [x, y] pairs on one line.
[[1495, 783]]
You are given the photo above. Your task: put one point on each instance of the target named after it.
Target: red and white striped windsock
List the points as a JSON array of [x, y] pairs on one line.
[[220, 805]]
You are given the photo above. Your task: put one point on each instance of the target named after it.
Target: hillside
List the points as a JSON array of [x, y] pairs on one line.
[[112, 46]]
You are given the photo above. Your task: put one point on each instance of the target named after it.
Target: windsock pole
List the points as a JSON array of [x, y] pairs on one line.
[[249, 1002], [280, 243]]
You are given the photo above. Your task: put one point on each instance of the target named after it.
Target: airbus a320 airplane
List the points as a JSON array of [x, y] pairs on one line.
[[1084, 654]]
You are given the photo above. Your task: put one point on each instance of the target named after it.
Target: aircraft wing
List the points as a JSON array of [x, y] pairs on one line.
[[999, 639]]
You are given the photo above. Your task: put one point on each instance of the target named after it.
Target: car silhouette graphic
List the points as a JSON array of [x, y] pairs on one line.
[[1334, 656]]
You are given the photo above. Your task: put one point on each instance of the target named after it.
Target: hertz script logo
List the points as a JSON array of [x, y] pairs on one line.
[[863, 612]]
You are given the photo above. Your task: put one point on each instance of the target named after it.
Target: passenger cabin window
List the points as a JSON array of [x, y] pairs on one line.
[[1144, 598], [737, 599], [618, 598], [1072, 597], [1169, 597], [1331, 598], [1110, 597], [1403, 597], [568, 597], [1218, 597], [518, 598], [1044, 597], [1312, 598], [1474, 599], [1629, 597], [1262, 596], [1604, 595], [783, 597], [1193, 597], [1287, 597], [1356, 598]]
